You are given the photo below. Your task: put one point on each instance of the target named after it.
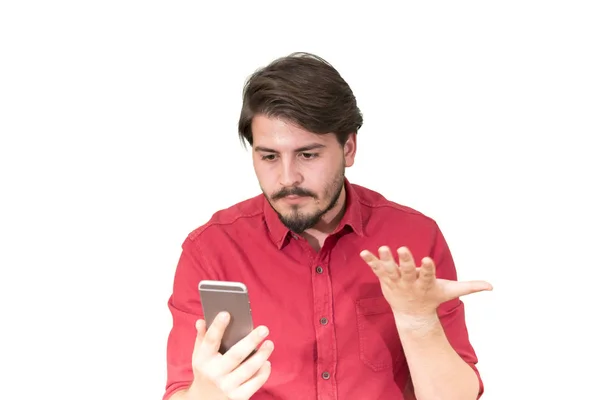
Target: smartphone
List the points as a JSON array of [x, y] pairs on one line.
[[217, 296]]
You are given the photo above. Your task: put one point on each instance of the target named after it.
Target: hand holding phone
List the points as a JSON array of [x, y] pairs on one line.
[[243, 368]]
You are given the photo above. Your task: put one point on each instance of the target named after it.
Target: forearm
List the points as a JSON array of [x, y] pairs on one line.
[[437, 371]]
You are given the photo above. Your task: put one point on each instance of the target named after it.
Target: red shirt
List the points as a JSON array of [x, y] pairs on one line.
[[334, 333]]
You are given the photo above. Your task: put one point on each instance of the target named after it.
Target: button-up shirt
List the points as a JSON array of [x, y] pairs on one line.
[[333, 331]]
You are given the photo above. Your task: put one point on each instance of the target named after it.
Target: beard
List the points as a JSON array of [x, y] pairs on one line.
[[298, 221]]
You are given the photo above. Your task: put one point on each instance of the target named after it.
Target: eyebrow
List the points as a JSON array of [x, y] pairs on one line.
[[313, 146]]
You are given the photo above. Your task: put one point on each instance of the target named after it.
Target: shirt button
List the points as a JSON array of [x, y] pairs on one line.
[[324, 321], [319, 270], [325, 375]]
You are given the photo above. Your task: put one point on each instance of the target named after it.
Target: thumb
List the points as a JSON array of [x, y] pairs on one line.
[[200, 332], [454, 289]]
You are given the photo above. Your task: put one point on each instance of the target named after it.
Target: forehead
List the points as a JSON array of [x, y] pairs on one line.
[[281, 135]]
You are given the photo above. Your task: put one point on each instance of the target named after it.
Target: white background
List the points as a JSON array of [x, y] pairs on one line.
[[118, 136]]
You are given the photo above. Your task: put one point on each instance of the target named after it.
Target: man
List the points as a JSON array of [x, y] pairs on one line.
[[354, 296]]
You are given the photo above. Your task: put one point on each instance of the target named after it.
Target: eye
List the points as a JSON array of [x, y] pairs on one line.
[[268, 157], [308, 156]]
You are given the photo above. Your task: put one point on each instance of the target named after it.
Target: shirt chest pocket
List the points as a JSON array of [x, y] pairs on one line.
[[379, 344]]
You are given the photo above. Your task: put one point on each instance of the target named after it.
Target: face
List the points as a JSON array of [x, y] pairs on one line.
[[300, 173]]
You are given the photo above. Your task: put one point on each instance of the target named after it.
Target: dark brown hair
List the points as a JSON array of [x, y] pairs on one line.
[[305, 90]]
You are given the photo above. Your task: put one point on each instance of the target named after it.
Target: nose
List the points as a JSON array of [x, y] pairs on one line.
[[290, 174]]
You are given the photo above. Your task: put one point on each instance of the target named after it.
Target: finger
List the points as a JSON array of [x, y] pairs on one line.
[[427, 272], [408, 270], [388, 263], [242, 349], [251, 386], [212, 339], [373, 262], [247, 369], [200, 332], [454, 289]]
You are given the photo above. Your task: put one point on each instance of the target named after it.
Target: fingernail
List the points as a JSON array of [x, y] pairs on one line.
[[224, 316], [404, 254], [263, 331]]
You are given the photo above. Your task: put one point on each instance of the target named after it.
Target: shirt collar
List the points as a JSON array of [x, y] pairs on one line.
[[352, 218]]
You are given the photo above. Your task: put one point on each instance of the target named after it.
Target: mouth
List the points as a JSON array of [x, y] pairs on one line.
[[294, 199]]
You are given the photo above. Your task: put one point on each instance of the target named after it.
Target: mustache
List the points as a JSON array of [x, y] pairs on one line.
[[295, 191]]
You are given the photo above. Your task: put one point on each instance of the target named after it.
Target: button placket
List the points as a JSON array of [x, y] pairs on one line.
[[326, 345]]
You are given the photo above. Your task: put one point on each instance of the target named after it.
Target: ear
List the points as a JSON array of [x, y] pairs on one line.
[[350, 150]]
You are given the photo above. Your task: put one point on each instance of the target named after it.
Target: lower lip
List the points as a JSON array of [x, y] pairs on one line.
[[294, 199]]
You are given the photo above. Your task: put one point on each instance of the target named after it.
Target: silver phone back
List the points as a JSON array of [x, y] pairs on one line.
[[217, 296]]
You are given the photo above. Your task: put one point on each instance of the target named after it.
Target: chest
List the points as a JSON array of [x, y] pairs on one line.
[[300, 293]]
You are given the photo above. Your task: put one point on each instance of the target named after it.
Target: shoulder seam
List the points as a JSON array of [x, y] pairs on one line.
[[192, 236], [396, 206]]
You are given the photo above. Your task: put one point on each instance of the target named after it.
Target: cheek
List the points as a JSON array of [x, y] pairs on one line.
[[266, 176], [319, 175]]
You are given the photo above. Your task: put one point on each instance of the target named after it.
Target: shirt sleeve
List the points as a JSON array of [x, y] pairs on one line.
[[185, 307], [452, 313]]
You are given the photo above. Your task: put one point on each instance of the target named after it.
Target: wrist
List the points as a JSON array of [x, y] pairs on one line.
[[194, 391], [417, 325], [203, 389]]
